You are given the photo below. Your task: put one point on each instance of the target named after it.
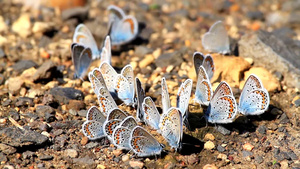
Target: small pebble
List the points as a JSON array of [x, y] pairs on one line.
[[135, 163], [248, 147], [220, 148], [262, 129], [84, 141], [125, 158], [222, 156], [209, 136], [117, 152], [8, 167], [71, 153], [209, 145], [210, 166]]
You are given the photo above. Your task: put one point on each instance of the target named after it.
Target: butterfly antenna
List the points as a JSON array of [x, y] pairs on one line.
[[195, 145]]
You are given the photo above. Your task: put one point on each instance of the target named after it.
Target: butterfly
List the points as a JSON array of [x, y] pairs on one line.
[[165, 98], [97, 80], [206, 61], [204, 90], [109, 74], [114, 118], [124, 85], [183, 97], [254, 99], [82, 58], [222, 107], [151, 114], [83, 36], [143, 144], [106, 102], [216, 39], [92, 128], [170, 126], [140, 94], [122, 132], [122, 28], [106, 51]]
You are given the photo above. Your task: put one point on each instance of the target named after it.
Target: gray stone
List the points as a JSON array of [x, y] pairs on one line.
[[28, 154], [67, 124], [2, 53], [16, 137], [292, 155], [22, 65], [84, 161], [294, 18], [246, 153], [255, 15], [46, 112], [64, 95], [284, 119], [7, 102], [91, 145], [73, 112], [291, 5], [167, 59], [80, 12], [71, 153], [24, 101], [42, 109], [45, 72], [262, 129], [220, 148], [274, 54], [7, 149], [259, 159], [297, 102], [82, 113], [223, 130], [46, 157], [141, 51], [14, 114], [3, 157]]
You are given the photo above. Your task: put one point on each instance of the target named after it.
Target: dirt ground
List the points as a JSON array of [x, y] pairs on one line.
[[43, 106]]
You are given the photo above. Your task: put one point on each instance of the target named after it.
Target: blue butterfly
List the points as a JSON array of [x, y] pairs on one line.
[[170, 126], [92, 127], [206, 61], [140, 94], [143, 144], [121, 133], [204, 90], [123, 28], [222, 107], [114, 118], [124, 85], [82, 58], [151, 114], [216, 39], [254, 99]]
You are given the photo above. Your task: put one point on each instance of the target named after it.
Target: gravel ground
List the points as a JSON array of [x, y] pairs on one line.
[[43, 106]]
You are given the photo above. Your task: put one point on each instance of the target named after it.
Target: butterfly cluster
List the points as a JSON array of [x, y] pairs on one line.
[[222, 106], [121, 30], [122, 129]]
